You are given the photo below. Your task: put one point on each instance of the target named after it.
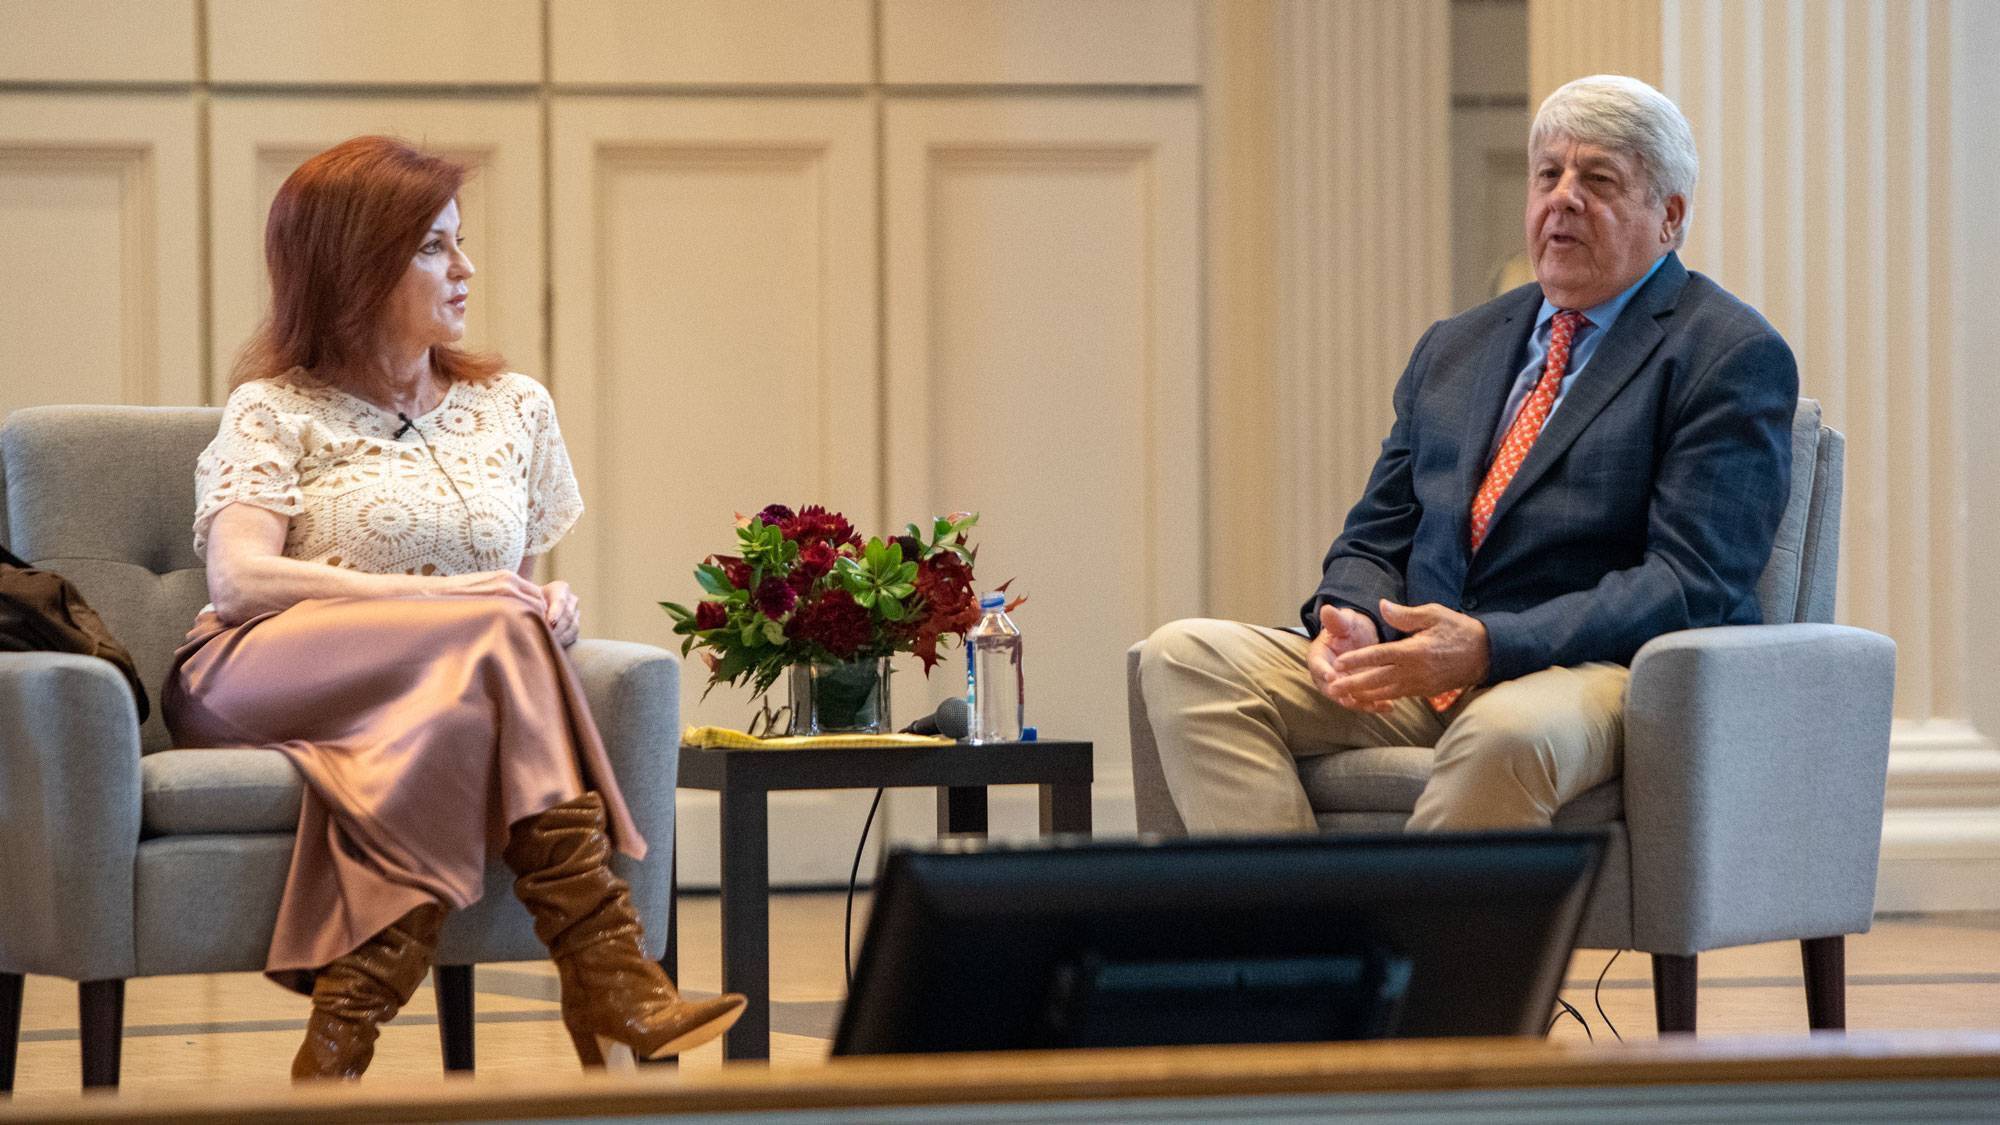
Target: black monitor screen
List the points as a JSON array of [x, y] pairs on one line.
[[977, 946]]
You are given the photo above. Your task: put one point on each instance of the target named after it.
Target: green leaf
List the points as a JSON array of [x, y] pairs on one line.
[[891, 609], [906, 573], [712, 579], [734, 663], [676, 611], [942, 527], [866, 597], [774, 632]]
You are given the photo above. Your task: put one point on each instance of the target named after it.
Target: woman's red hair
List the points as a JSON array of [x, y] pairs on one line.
[[342, 231]]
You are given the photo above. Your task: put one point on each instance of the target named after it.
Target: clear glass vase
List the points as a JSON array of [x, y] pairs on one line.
[[850, 698]]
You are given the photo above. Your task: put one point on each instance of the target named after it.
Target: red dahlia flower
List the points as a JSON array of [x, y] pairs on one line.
[[835, 622], [816, 559], [710, 615], [775, 598], [816, 524]]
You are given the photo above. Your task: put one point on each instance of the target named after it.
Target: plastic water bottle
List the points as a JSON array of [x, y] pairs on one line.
[[993, 673]]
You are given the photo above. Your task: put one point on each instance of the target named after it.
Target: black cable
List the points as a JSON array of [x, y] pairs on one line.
[[853, 873], [1573, 1014], [1597, 995]]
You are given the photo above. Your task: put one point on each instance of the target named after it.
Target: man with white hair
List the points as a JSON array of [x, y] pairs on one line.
[[1575, 468]]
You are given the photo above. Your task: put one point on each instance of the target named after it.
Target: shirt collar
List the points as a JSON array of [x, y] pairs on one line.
[[1602, 315]]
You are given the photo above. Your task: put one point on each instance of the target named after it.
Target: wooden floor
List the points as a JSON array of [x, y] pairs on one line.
[[1931, 973]]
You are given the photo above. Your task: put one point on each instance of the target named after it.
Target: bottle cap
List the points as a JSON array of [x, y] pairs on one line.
[[992, 601]]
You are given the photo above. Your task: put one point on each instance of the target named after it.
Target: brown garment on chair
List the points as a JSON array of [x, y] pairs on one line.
[[41, 611], [424, 727]]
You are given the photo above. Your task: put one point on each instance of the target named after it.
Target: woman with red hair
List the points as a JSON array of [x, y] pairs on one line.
[[371, 510]]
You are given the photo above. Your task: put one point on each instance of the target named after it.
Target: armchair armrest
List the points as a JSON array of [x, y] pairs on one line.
[[1755, 763], [635, 696], [69, 816]]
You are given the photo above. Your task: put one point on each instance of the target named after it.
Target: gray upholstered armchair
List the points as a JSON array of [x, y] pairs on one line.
[[1750, 808], [120, 857]]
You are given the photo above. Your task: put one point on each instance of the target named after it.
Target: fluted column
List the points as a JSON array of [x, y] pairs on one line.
[[1571, 38], [1362, 225], [1846, 156]]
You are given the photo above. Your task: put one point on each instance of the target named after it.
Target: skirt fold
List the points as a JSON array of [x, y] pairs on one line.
[[423, 727]]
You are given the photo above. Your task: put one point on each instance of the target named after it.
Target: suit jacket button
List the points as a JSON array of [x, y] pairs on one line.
[[1472, 603]]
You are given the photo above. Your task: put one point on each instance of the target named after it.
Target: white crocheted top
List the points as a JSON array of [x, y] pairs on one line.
[[359, 497]]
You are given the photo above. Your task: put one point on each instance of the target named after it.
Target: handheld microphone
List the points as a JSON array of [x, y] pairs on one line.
[[408, 425], [952, 719]]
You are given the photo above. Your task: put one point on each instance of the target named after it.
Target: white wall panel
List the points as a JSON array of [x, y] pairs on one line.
[[256, 141], [97, 230], [434, 43], [711, 42], [715, 351], [1044, 369], [1073, 42], [97, 40]]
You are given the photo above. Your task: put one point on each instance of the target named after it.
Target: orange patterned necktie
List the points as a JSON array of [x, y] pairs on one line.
[[1521, 435]]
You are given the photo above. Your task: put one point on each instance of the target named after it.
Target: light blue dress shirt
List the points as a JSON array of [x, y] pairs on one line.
[[1582, 346]]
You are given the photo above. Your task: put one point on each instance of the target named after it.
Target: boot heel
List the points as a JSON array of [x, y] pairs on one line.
[[586, 1048], [616, 1055]]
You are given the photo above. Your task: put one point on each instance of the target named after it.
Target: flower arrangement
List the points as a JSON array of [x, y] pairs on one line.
[[805, 588]]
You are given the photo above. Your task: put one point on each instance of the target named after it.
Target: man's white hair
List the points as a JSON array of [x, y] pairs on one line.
[[1626, 115]]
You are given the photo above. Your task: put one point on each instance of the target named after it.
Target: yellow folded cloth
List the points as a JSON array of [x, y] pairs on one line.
[[722, 738]]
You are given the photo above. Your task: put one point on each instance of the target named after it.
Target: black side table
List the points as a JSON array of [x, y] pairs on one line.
[[746, 778]]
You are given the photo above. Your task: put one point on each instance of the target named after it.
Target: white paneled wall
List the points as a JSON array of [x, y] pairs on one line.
[[98, 202], [683, 43], [374, 42], [716, 327], [760, 250], [1044, 370]]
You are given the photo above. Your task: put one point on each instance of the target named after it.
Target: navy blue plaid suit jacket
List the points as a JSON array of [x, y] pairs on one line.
[[1647, 505]]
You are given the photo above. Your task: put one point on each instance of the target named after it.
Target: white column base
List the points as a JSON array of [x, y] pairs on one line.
[[1941, 830]]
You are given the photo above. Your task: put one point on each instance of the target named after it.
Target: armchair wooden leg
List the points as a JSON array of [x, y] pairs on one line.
[[1826, 982], [1673, 993], [453, 985], [671, 961], [10, 1027], [100, 1009]]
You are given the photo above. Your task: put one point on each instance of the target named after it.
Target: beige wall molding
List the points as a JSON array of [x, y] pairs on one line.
[[1044, 369], [122, 41], [1042, 42], [374, 42], [711, 42], [96, 193]]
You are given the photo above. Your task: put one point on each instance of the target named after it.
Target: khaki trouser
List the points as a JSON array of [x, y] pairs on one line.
[[1234, 708]]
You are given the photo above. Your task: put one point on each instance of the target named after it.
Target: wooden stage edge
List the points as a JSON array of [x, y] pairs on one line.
[[1381, 1067]]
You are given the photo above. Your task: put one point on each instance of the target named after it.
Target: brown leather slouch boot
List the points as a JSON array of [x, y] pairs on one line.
[[362, 990], [616, 1001]]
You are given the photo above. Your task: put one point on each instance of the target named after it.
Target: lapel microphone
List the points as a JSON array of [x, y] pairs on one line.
[[408, 425]]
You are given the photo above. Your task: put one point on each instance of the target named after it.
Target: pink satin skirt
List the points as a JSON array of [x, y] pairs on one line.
[[423, 726]]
